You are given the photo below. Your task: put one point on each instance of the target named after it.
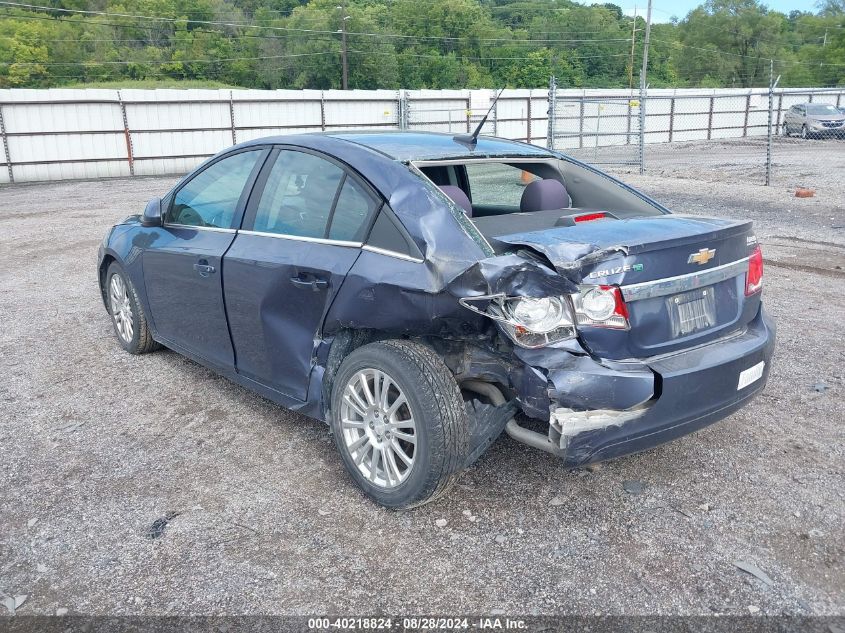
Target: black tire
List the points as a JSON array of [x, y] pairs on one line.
[[141, 340], [434, 402]]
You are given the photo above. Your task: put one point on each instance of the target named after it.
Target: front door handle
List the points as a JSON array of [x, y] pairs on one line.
[[314, 283], [203, 268]]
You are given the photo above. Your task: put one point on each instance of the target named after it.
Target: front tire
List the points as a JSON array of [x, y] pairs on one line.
[[399, 423], [128, 318]]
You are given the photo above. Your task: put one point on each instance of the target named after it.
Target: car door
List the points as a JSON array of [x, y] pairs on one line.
[[301, 234], [182, 273]]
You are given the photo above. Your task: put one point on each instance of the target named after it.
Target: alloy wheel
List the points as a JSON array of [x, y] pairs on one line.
[[121, 308], [378, 428]]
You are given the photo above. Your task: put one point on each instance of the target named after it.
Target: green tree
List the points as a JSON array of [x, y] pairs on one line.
[[731, 41], [417, 44]]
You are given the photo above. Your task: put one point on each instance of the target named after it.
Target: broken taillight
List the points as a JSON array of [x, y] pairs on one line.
[[754, 277], [601, 306]]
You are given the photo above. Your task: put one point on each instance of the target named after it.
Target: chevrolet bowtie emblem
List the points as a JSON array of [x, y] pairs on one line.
[[702, 257]]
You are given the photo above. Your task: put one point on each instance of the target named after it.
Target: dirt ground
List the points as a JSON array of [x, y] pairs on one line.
[[96, 446]]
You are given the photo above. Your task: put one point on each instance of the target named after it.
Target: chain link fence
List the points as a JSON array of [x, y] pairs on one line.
[[520, 115], [597, 130], [742, 137], [757, 136]]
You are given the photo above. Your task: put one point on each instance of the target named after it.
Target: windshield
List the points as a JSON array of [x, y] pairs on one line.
[[821, 108]]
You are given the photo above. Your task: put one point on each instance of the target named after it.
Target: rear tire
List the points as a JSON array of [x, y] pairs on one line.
[[399, 423], [128, 318]]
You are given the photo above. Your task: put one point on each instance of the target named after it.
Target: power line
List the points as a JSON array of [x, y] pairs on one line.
[[167, 61], [299, 30], [227, 35], [401, 53], [756, 57], [265, 57]]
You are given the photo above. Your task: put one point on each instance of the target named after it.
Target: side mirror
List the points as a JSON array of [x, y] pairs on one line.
[[152, 214]]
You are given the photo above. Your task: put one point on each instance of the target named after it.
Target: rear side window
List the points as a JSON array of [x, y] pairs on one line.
[[497, 184], [298, 197], [354, 206], [387, 235], [211, 197]]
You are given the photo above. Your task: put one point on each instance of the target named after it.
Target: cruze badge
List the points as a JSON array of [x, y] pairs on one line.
[[702, 257], [615, 270]]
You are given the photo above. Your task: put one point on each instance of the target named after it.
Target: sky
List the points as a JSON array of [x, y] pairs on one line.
[[663, 10]]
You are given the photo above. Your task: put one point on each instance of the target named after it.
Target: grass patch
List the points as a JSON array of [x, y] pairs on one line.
[[151, 83]]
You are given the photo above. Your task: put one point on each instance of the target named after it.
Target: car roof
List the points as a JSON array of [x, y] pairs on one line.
[[410, 146], [406, 146]]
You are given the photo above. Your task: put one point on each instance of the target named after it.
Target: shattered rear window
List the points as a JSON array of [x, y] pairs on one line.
[[497, 184]]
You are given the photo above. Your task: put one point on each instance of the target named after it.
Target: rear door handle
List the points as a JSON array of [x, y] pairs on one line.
[[315, 283], [203, 268]]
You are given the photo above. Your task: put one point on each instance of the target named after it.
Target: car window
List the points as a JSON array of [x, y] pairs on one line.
[[299, 194], [497, 184], [211, 197], [354, 206], [821, 108]]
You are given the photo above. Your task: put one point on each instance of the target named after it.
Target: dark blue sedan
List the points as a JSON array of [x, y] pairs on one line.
[[422, 293]]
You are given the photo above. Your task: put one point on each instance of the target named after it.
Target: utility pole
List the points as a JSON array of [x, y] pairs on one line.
[[633, 41], [343, 58], [645, 46], [772, 85], [643, 87]]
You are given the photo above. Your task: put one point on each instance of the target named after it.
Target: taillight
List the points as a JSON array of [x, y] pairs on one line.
[[754, 277], [601, 306]]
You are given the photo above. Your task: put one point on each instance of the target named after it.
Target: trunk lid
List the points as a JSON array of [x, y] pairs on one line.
[[683, 277]]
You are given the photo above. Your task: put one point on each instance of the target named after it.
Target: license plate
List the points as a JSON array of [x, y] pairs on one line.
[[751, 375], [692, 311]]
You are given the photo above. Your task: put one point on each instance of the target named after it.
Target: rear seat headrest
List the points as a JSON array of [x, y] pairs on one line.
[[544, 195], [458, 196]]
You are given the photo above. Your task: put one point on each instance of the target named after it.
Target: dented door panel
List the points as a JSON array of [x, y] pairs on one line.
[[277, 292]]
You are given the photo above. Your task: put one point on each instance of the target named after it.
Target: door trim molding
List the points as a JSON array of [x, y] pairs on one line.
[[302, 238], [213, 229]]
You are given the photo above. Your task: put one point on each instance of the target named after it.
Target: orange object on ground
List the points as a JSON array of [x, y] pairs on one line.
[[801, 192]]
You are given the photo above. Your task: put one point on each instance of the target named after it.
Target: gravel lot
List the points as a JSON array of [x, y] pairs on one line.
[[97, 445]]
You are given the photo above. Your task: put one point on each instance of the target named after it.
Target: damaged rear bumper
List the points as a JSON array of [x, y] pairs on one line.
[[599, 412]]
